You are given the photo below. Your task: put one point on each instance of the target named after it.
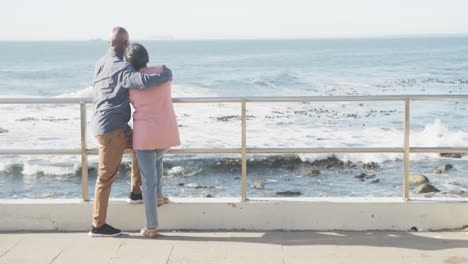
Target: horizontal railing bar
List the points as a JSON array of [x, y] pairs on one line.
[[40, 151], [321, 150], [254, 99], [190, 151], [45, 100], [438, 150], [355, 98]]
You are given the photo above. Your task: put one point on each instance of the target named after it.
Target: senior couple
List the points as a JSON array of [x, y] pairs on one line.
[[122, 77]]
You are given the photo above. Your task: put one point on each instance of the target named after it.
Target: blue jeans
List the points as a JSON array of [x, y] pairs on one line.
[[151, 168]]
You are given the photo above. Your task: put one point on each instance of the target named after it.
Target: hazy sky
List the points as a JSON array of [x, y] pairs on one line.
[[219, 19]]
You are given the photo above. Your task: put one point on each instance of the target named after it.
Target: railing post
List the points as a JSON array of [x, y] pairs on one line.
[[244, 151], [84, 154], [406, 152]]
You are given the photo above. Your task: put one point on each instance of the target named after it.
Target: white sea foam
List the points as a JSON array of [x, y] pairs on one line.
[[83, 93], [178, 90]]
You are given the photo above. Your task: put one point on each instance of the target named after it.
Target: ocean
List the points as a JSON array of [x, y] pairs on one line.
[[315, 67]]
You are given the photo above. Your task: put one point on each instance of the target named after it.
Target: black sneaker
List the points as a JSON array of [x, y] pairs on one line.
[[135, 198], [104, 231]]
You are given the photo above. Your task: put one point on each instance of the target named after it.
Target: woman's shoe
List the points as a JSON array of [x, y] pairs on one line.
[[149, 232], [162, 200]]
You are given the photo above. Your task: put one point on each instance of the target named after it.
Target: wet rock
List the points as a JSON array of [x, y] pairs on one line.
[[286, 161], [3, 130], [451, 155], [360, 176], [426, 188], [333, 162], [370, 166], [442, 169], [15, 168], [206, 195], [181, 184], [27, 119], [227, 118], [375, 181], [231, 117], [418, 179], [258, 186], [200, 186], [125, 168], [53, 119], [288, 193], [91, 171], [312, 173], [229, 164], [457, 192], [236, 178]]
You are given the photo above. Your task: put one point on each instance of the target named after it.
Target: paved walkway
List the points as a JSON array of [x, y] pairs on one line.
[[237, 247]]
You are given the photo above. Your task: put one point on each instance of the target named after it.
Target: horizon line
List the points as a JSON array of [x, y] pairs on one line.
[[170, 38]]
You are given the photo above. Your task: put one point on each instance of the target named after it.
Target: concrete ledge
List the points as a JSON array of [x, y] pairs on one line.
[[257, 214]]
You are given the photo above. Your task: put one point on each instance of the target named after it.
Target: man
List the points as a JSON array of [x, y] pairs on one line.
[[113, 77]]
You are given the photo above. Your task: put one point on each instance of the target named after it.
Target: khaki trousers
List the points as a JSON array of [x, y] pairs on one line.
[[112, 147]]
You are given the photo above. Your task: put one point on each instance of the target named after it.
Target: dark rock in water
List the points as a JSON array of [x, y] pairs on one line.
[[457, 192], [286, 161], [312, 173], [199, 186], [426, 188], [53, 119], [360, 175], [15, 168], [258, 186], [442, 169], [418, 179], [227, 118], [181, 184], [451, 155], [229, 164], [370, 176], [3, 130], [370, 166], [236, 178], [91, 171], [333, 162], [125, 167], [288, 193], [232, 117], [27, 119], [206, 195], [375, 181]]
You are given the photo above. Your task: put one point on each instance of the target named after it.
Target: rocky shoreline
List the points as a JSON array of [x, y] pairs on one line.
[[195, 174]]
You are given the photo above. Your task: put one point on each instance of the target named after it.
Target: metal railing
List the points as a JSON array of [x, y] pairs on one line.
[[244, 151]]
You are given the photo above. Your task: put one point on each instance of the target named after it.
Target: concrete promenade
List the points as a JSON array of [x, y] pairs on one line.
[[237, 247]]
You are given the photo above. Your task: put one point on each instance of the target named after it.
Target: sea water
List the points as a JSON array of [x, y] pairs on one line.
[[317, 67]]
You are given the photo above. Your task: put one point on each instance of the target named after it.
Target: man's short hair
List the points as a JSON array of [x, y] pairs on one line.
[[137, 55]]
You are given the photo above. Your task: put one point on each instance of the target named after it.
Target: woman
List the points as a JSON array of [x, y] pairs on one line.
[[155, 130]]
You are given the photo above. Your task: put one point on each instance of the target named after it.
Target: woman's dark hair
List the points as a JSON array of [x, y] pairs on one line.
[[137, 55]]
